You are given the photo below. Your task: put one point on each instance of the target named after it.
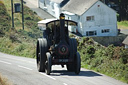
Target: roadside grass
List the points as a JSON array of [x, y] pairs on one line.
[[20, 49], [4, 81], [122, 25]]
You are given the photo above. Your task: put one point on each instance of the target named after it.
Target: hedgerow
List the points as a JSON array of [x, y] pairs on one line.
[[111, 60]]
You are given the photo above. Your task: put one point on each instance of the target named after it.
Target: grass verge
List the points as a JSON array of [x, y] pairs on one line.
[[4, 81]]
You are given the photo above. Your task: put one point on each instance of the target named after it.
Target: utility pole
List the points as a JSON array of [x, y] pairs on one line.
[[18, 10], [22, 14], [12, 14]]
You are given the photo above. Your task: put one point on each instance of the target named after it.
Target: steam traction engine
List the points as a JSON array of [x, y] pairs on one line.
[[56, 48]]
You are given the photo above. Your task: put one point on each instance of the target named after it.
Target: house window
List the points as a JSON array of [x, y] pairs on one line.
[[105, 30], [90, 18], [91, 33]]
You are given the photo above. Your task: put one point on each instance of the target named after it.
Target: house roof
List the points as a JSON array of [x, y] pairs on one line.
[[57, 1], [78, 6], [125, 41]]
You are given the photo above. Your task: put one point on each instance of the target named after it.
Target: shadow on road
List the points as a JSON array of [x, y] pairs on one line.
[[82, 73]]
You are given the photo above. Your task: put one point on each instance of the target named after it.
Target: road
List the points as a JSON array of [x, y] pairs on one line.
[[124, 31], [23, 71]]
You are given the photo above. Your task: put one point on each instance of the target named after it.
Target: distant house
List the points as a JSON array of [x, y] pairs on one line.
[[94, 17], [126, 42]]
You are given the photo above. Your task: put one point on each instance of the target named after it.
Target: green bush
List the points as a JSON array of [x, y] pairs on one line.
[[111, 60]]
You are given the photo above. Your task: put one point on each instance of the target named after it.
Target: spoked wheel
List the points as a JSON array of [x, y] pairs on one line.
[[48, 63], [41, 54], [77, 63]]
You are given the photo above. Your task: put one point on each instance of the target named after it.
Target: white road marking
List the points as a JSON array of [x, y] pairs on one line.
[[21, 60], [65, 84], [24, 67], [5, 62], [48, 76]]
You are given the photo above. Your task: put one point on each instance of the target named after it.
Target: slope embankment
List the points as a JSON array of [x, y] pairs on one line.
[[17, 41]]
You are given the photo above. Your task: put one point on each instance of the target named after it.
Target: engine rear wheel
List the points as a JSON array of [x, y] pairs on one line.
[[73, 47], [41, 54], [70, 67], [73, 50]]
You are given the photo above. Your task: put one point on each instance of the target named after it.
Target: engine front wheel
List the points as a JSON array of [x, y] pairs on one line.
[[77, 63], [48, 63]]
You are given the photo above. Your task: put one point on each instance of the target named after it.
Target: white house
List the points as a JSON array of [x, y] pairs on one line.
[[94, 17]]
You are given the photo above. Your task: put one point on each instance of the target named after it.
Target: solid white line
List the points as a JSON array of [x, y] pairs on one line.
[[65, 84], [48, 76], [5, 62], [24, 67]]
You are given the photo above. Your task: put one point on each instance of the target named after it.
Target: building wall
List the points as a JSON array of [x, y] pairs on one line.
[[73, 17], [57, 10], [41, 3], [126, 46], [104, 21], [52, 8], [108, 40]]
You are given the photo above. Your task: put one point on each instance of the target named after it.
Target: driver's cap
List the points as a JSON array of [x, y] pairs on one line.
[[62, 16]]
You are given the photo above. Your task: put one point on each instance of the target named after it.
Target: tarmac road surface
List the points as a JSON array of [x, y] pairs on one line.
[[23, 71]]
